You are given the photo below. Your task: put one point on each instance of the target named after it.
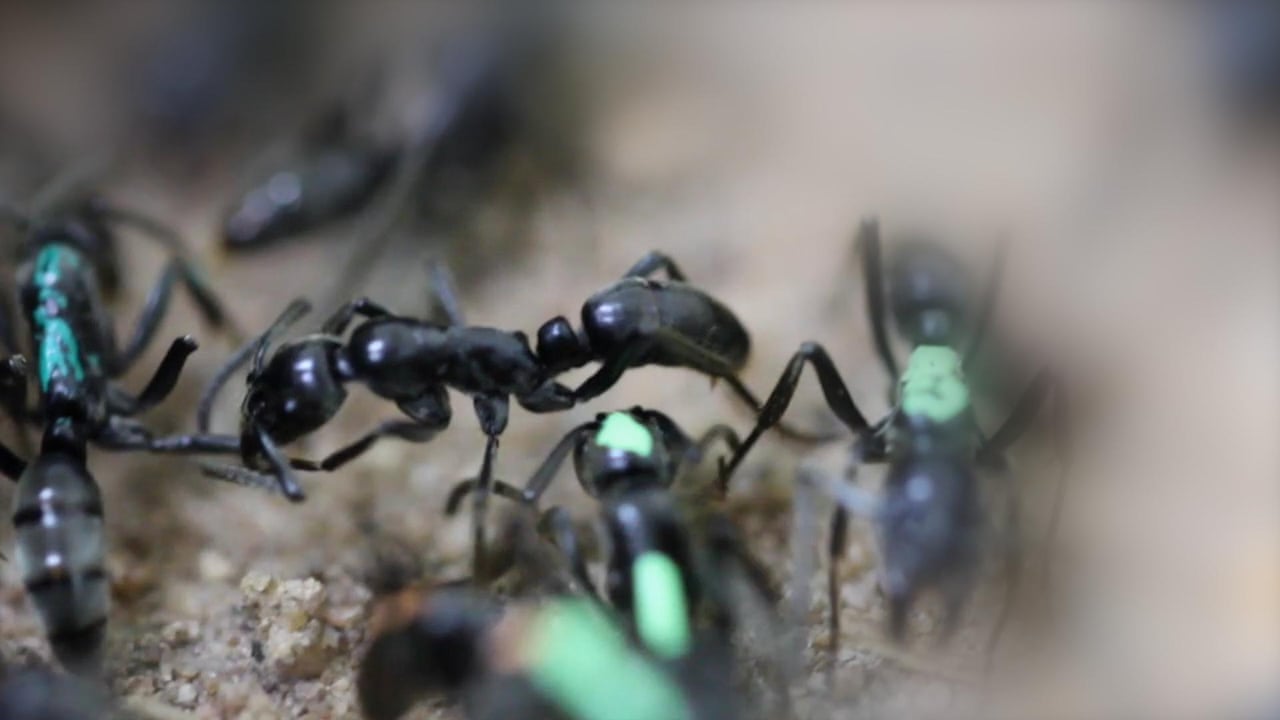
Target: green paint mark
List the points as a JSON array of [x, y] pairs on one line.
[[933, 385], [59, 350], [662, 612], [621, 431], [583, 663]]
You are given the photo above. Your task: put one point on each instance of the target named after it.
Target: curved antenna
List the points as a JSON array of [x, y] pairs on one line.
[[256, 349], [546, 472]]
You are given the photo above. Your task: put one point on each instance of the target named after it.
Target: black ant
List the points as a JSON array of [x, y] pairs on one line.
[[562, 656], [930, 518], [413, 363], [629, 461], [58, 513], [337, 174]]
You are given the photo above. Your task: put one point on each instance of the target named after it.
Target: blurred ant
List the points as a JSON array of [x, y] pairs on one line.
[[929, 519], [58, 510]]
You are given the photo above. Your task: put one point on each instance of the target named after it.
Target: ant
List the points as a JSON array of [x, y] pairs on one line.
[[32, 693], [562, 656], [58, 514], [629, 461], [413, 362], [929, 519], [336, 176]]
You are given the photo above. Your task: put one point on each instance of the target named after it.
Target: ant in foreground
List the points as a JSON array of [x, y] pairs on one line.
[[414, 362], [929, 520], [629, 461], [58, 510], [562, 657]]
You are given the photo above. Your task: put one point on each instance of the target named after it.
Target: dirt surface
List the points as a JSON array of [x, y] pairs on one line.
[[748, 144]]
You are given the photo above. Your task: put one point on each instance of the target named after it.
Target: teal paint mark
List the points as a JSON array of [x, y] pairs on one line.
[[621, 431], [661, 609], [59, 350], [582, 662], [933, 385]]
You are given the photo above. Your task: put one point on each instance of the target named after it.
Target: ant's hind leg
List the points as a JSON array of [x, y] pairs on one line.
[[868, 242], [833, 389], [652, 262]]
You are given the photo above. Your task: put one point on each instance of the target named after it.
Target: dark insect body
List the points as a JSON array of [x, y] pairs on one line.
[[58, 510], [660, 572], [414, 362], [929, 520], [562, 658]]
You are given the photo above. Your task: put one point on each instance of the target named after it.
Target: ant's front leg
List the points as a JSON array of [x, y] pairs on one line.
[[153, 312], [342, 317], [558, 524], [652, 262], [833, 389], [492, 411]]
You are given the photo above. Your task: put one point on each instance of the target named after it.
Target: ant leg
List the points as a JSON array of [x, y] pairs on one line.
[[243, 476], [161, 384], [833, 389], [464, 488], [1012, 545], [149, 321], [652, 262], [8, 340], [546, 472], [868, 242], [1024, 411], [187, 271], [492, 412], [341, 318], [256, 349], [611, 369], [11, 466], [407, 430], [986, 306], [835, 552], [558, 524], [548, 397], [280, 467], [444, 293]]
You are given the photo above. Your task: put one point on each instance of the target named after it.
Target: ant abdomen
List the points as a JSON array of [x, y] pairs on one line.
[[58, 520]]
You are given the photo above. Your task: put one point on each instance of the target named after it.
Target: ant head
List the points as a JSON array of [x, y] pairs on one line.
[[928, 288], [423, 642], [622, 447], [929, 530], [559, 347], [293, 393]]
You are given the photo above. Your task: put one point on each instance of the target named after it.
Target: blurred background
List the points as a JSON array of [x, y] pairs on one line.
[[1129, 151]]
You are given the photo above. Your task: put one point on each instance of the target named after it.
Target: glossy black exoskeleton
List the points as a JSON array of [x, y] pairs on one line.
[[337, 174], [58, 513], [929, 519], [659, 544], [518, 661], [411, 362]]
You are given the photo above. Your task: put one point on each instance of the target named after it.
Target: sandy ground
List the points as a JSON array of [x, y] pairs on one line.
[[1143, 263]]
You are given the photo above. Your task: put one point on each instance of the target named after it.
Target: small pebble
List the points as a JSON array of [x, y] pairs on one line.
[[214, 566], [180, 633], [186, 695]]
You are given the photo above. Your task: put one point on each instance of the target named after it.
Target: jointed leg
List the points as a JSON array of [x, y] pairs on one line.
[[11, 466], [652, 262], [162, 381], [546, 472], [403, 429], [444, 294], [342, 317], [492, 411], [987, 304], [833, 389], [873, 280], [557, 523], [464, 488], [152, 314], [1020, 418]]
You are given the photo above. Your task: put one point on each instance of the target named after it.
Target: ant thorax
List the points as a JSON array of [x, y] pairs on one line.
[[933, 388]]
